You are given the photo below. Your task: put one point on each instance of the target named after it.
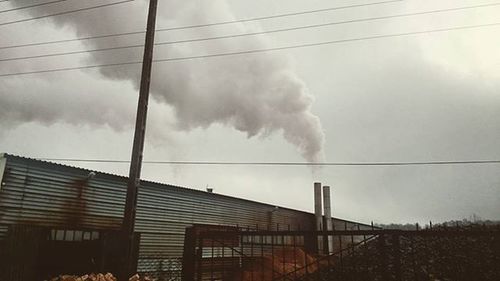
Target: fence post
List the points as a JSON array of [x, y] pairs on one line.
[[311, 242], [383, 257], [397, 256], [199, 259], [189, 255]]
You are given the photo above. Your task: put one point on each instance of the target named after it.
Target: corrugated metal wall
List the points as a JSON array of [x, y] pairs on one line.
[[40, 193]]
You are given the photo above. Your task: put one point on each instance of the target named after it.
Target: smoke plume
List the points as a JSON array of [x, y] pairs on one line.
[[256, 94]]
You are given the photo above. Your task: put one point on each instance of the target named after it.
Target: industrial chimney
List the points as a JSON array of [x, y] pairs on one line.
[[317, 206], [327, 207], [328, 219]]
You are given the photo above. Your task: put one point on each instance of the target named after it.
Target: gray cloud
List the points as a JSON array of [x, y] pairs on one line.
[[257, 95]]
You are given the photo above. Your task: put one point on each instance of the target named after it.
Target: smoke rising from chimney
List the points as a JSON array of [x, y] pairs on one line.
[[256, 94]]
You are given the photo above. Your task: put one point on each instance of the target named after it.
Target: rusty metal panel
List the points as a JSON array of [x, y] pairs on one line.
[[51, 196]]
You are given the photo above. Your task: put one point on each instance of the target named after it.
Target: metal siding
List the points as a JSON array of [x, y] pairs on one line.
[[164, 212], [41, 195], [3, 232]]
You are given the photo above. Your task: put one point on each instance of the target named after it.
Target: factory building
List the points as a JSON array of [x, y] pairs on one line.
[[50, 211]]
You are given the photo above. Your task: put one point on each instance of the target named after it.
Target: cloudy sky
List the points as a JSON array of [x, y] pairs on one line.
[[425, 97]]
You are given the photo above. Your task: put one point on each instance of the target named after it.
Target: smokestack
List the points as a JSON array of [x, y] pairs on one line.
[[328, 242], [327, 207], [317, 206]]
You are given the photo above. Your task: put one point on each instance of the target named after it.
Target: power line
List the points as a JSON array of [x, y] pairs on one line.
[[255, 33], [32, 6], [71, 40], [280, 15], [76, 52], [224, 163], [72, 68], [258, 50], [65, 12], [198, 25]]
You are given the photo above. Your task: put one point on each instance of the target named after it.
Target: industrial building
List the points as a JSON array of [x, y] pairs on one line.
[[51, 208]]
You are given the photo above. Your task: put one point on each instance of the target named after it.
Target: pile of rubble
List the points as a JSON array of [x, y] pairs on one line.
[[98, 277], [138, 278], [87, 277], [285, 263]]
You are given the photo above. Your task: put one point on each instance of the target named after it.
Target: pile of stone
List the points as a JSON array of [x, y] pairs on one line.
[[98, 277], [87, 277], [139, 278]]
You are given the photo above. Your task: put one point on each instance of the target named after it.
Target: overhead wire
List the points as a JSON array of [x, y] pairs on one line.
[[259, 50], [66, 12], [76, 52], [198, 25], [280, 15], [32, 6], [256, 33], [70, 40], [229, 163]]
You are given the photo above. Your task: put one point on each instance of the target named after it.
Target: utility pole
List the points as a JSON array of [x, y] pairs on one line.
[[134, 179]]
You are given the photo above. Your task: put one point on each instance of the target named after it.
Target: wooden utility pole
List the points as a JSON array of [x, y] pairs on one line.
[[134, 179]]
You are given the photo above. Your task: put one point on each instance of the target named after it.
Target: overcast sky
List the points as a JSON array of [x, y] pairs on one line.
[[426, 97]]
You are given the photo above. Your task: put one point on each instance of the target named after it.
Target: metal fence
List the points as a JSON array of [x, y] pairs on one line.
[[161, 268], [432, 254]]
